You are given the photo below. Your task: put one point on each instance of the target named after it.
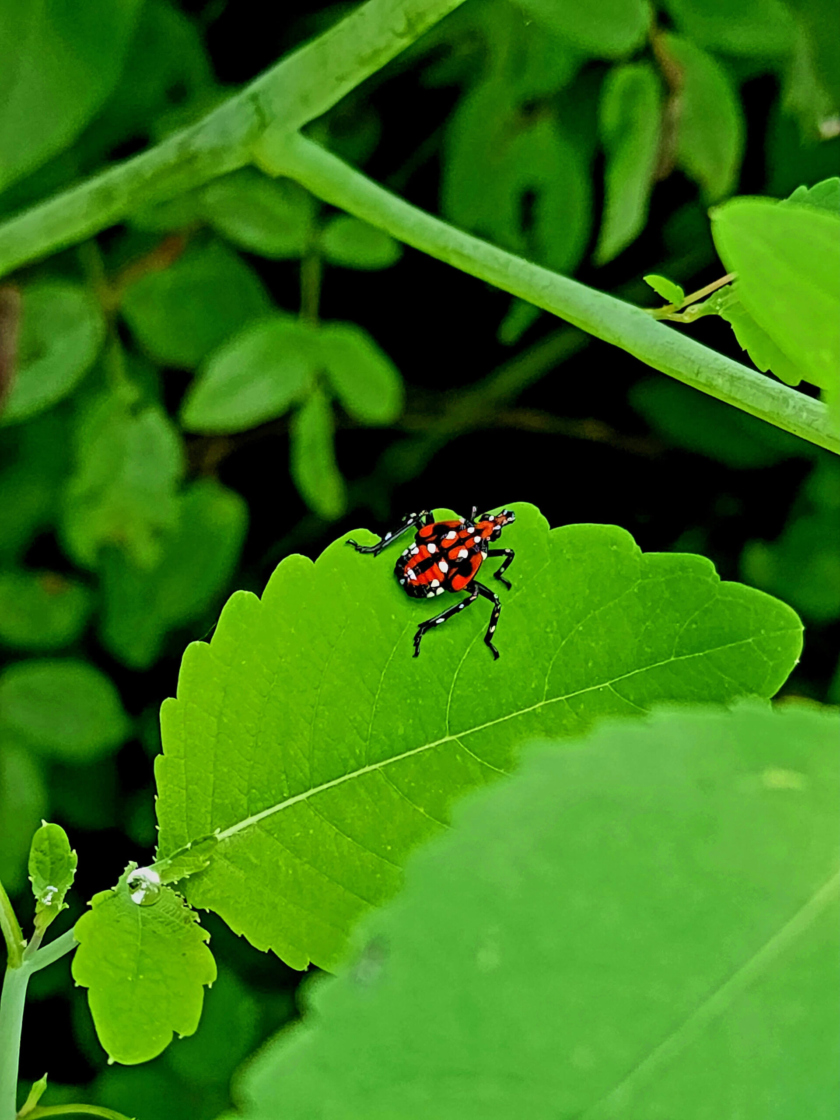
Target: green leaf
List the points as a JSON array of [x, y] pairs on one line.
[[62, 330], [52, 869], [354, 750], [183, 312], [365, 380], [228, 1031], [256, 376], [822, 196], [62, 708], [313, 464], [670, 292], [630, 125], [520, 317], [352, 243], [596, 936], [606, 30], [700, 423], [198, 557], [61, 62], [750, 27], [34, 462], [763, 351], [516, 178], [42, 610], [122, 491], [271, 217], [710, 139], [787, 259], [23, 803], [145, 968]]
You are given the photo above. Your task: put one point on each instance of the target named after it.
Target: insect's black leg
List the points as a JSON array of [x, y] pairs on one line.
[[508, 554], [480, 589], [411, 521], [431, 623]]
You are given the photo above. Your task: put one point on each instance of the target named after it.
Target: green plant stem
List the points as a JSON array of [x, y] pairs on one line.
[[12, 1002], [619, 323], [295, 91], [75, 1110], [11, 931]]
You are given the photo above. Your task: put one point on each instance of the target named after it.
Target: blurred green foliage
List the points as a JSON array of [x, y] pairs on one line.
[[147, 355]]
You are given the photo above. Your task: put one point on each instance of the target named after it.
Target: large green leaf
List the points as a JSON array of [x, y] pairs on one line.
[[788, 261], [145, 967], [643, 927], [61, 333], [630, 113], [322, 750], [60, 61]]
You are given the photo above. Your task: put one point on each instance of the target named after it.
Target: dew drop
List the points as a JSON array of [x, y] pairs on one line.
[[144, 885]]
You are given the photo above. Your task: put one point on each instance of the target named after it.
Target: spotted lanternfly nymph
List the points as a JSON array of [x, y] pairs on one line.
[[446, 556]]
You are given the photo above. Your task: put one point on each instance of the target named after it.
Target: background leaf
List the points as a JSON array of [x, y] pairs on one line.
[[365, 380], [597, 934], [141, 605], [185, 311], [670, 292], [313, 693], [23, 804], [612, 29], [254, 377], [710, 138], [313, 466], [42, 610], [62, 60], [271, 217], [62, 330], [145, 968], [354, 244], [630, 122], [750, 27], [65, 708]]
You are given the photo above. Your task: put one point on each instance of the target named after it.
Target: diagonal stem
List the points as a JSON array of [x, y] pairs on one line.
[[619, 323]]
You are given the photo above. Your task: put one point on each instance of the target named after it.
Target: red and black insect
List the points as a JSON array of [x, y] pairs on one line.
[[446, 556]]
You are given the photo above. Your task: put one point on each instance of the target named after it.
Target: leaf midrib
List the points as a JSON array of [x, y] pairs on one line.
[[305, 795]]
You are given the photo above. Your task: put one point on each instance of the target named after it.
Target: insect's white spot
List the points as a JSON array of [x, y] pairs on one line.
[[430, 594], [438, 621], [412, 575], [439, 591], [443, 566], [431, 547], [402, 581], [450, 536], [413, 550], [462, 555], [434, 583]]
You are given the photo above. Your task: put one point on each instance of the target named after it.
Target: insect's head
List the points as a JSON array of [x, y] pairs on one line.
[[498, 522]]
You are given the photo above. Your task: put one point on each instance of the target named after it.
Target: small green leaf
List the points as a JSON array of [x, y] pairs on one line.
[[365, 380], [630, 125], [145, 968], [271, 217], [62, 329], [598, 934], [298, 733], [123, 490], [42, 610], [62, 708], [188, 861], [37, 1091], [142, 605], [520, 317], [355, 244], [61, 62], [256, 376], [752, 28], [23, 803], [822, 196], [670, 292], [183, 312], [710, 139], [313, 464], [607, 30], [788, 260], [52, 869]]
